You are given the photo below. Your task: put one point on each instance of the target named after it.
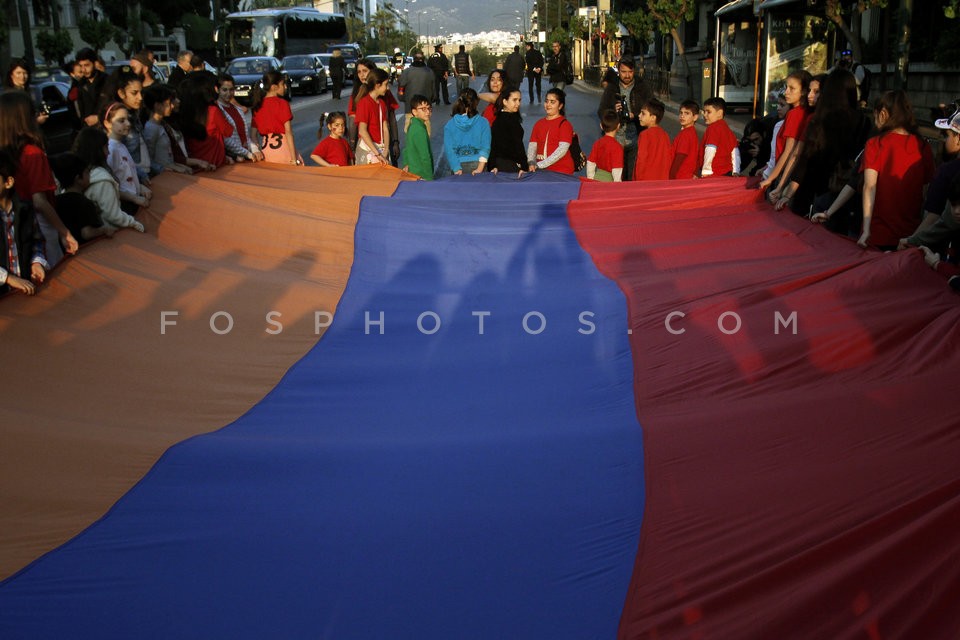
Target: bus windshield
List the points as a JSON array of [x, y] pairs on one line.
[[282, 32], [249, 36]]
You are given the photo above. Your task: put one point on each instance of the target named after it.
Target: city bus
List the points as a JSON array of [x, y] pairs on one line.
[[280, 32]]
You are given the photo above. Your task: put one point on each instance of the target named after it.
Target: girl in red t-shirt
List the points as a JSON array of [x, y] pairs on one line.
[[897, 165], [373, 134], [794, 124], [33, 181], [549, 146], [272, 120], [334, 150], [202, 124]]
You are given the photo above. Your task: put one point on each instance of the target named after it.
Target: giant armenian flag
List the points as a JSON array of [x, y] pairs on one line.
[[342, 404]]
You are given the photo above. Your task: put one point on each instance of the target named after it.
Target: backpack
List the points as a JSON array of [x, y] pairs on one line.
[[576, 151]]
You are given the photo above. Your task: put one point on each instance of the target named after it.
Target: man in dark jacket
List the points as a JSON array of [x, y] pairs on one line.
[[558, 65], [338, 72], [514, 67], [416, 80], [181, 69], [534, 61], [626, 96], [440, 66], [463, 66], [91, 100]]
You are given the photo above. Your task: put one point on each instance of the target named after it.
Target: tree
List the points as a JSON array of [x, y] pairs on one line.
[[354, 29], [383, 23], [667, 16], [54, 45], [638, 23], [483, 60], [835, 13], [96, 33]]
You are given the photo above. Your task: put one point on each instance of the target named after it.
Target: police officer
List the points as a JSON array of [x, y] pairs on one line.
[[440, 66]]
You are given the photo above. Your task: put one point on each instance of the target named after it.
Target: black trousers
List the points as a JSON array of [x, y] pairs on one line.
[[442, 87], [530, 80]]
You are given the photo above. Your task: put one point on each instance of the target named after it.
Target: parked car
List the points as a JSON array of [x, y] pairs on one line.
[[382, 62], [247, 72], [50, 73], [58, 131], [305, 74]]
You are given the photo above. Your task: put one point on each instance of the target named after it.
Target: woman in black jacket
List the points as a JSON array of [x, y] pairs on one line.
[[507, 154]]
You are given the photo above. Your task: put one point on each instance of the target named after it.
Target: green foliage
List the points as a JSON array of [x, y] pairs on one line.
[[54, 45], [952, 9], [669, 14], [96, 33], [168, 12], [355, 29], [199, 31], [483, 61], [640, 25]]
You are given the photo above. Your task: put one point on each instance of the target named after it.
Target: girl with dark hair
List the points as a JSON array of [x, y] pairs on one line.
[[333, 151], [836, 134], [506, 135], [794, 124], [158, 101], [466, 136], [91, 146], [373, 133], [814, 90], [898, 165], [272, 118], [202, 124], [496, 83], [390, 104], [549, 146], [33, 181], [129, 92]]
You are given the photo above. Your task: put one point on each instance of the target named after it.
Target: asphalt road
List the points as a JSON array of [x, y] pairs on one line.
[[581, 110]]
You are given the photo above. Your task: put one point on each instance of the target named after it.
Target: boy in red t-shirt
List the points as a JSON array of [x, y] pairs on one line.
[[686, 146], [719, 152], [605, 163], [654, 153]]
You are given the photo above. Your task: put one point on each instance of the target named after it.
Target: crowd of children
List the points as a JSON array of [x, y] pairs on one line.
[[813, 157]]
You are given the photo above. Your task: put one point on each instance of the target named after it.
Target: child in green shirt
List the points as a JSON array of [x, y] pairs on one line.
[[417, 155]]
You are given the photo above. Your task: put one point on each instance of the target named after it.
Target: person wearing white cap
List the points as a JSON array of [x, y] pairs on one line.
[[939, 225]]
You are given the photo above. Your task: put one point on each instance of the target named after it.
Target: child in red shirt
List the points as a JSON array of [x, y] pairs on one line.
[[605, 163], [792, 132], [897, 165], [334, 150], [719, 152], [654, 153], [272, 120], [686, 146]]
